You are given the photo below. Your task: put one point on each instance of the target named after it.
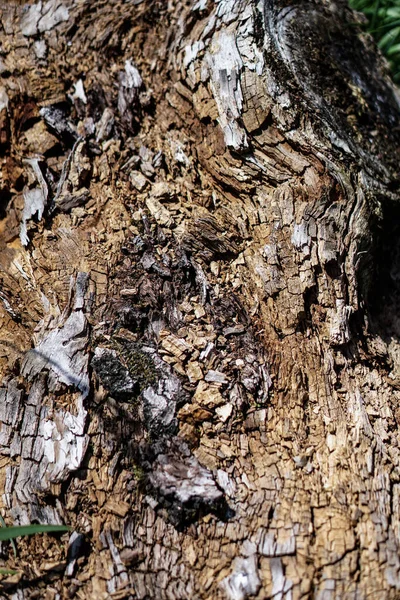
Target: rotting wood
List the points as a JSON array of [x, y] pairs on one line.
[[199, 347]]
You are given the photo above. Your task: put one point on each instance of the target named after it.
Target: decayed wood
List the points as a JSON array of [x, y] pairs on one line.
[[199, 348], [49, 439]]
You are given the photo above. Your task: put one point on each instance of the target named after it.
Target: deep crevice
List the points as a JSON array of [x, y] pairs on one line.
[[383, 300]]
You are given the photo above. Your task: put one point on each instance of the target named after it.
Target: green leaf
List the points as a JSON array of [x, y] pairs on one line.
[[388, 25], [9, 533], [389, 38], [393, 13], [393, 49]]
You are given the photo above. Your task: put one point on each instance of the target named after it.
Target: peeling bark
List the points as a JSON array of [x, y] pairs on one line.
[[199, 348]]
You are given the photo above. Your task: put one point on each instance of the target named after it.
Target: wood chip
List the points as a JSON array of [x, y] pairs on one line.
[[194, 372], [216, 377], [138, 180], [235, 330], [207, 395], [117, 507], [178, 347], [224, 412]]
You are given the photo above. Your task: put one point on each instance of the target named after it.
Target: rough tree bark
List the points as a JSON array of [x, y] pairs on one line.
[[199, 266]]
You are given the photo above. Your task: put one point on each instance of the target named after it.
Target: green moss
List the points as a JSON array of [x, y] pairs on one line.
[[138, 473], [140, 365]]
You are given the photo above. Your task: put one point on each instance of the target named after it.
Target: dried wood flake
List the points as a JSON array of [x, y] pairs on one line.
[[216, 377], [194, 372], [117, 507], [224, 412], [178, 347], [161, 214], [138, 181], [207, 395]]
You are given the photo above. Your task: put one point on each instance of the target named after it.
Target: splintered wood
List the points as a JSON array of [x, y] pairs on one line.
[[196, 201]]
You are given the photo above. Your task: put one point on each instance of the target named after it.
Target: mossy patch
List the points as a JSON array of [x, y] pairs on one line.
[[140, 365]]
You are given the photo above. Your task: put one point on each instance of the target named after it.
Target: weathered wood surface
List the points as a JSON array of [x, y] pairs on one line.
[[199, 351]]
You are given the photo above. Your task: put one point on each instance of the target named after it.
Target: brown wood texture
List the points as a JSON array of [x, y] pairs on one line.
[[199, 299]]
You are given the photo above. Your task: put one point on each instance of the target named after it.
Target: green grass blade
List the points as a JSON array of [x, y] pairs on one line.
[[13, 546], [9, 533], [8, 572], [393, 13], [389, 38], [395, 49], [386, 26]]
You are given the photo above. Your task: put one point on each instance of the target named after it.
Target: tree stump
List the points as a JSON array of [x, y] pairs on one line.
[[199, 267]]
